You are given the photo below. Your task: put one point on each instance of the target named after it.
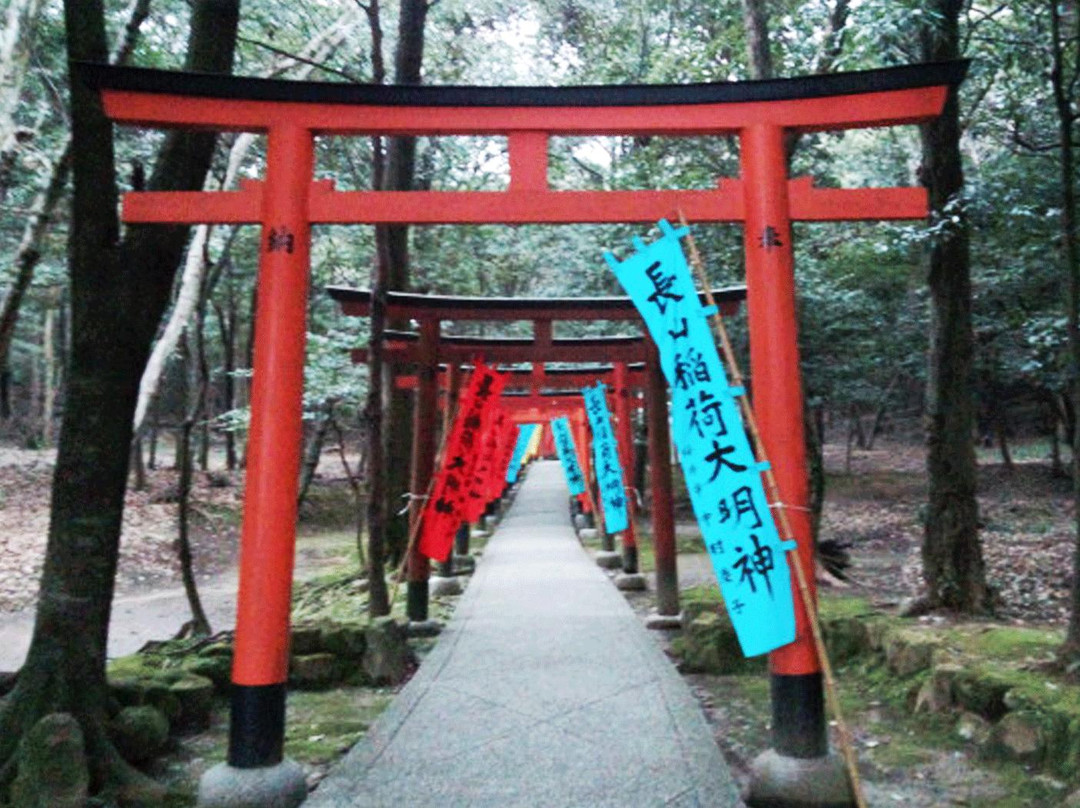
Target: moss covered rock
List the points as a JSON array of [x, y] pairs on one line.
[[139, 733], [315, 671], [909, 652], [52, 770], [346, 640], [184, 698], [387, 656], [709, 644]]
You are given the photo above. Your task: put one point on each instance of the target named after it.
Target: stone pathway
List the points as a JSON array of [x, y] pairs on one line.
[[543, 690]]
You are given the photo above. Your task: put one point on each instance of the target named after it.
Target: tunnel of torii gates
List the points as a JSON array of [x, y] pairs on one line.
[[634, 369], [764, 199]]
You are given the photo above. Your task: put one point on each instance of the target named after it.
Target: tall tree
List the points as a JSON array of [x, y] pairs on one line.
[[119, 291], [952, 558], [392, 246], [1064, 73]]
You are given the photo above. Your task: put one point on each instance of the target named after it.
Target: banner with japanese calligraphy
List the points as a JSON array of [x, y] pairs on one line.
[[480, 480], [609, 476], [718, 462], [524, 438], [564, 446], [445, 510], [507, 438]]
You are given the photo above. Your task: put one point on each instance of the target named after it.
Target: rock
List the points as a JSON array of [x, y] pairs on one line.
[[708, 644], [139, 733], [7, 681], [52, 770], [306, 640], [218, 669], [314, 671], [195, 697], [980, 693], [608, 559], [1072, 801], [972, 728], [907, 653], [387, 655], [444, 586], [936, 693], [464, 564], [184, 698], [345, 640], [1018, 737], [845, 638]]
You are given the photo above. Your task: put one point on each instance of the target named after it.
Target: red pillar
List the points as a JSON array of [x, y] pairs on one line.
[[268, 539], [798, 710], [425, 412], [663, 509], [624, 433], [580, 429]]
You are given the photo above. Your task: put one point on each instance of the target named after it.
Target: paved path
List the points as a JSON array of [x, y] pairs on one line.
[[544, 690]]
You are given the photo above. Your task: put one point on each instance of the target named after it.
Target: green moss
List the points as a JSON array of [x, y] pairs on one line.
[[324, 725]]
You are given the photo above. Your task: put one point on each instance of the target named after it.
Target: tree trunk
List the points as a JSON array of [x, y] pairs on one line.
[[394, 248], [226, 318], [16, 36], [313, 448], [952, 555], [198, 626], [1065, 103], [881, 410], [756, 25], [119, 291]]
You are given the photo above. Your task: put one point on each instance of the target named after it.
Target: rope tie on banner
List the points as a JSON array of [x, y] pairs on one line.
[[831, 698], [785, 506], [410, 498]]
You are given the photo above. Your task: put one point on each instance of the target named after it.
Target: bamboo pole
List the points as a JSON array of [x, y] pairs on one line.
[[720, 331], [414, 528]]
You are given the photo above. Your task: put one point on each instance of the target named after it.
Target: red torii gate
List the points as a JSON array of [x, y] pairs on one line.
[[428, 348], [290, 200]]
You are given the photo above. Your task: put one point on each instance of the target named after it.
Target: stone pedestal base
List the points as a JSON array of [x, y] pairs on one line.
[[777, 781], [608, 559], [587, 534], [464, 564], [280, 786], [664, 621], [423, 628], [630, 582], [439, 586]]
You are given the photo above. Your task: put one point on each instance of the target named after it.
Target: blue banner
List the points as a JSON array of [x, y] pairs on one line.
[[606, 453], [525, 433], [564, 445], [722, 474]]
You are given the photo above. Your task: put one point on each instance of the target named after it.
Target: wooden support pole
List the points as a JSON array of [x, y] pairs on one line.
[[425, 413], [624, 431], [663, 506]]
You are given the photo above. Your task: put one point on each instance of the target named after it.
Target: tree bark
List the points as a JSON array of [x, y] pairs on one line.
[[400, 175], [119, 291], [1064, 104], [953, 566], [756, 25], [199, 625]]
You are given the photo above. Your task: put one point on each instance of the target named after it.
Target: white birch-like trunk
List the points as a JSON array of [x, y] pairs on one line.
[[195, 264]]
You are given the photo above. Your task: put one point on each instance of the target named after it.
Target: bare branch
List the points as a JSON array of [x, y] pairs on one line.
[[300, 59]]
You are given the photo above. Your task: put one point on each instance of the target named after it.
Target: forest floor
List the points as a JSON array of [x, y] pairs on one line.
[[1027, 530]]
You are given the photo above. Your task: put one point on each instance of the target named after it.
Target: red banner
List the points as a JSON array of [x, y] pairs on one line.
[[480, 480], [446, 509]]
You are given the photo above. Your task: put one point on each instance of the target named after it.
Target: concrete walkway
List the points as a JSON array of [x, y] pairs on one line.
[[544, 690]]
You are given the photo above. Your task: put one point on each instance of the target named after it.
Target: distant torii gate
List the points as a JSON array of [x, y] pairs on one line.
[[428, 348], [760, 113]]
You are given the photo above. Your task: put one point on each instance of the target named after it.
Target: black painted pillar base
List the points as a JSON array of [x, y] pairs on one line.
[[607, 544], [416, 601], [461, 539], [256, 726], [630, 559], [798, 716], [799, 771]]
